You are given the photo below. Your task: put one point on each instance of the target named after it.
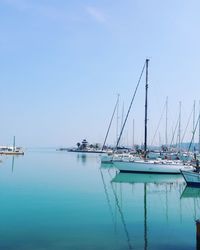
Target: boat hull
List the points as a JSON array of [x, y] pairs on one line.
[[151, 167], [11, 153], [191, 178], [106, 159]]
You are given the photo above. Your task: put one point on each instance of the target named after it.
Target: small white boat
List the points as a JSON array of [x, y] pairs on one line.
[[4, 150], [192, 178]]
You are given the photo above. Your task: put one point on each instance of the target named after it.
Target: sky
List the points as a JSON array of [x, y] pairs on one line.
[[63, 63]]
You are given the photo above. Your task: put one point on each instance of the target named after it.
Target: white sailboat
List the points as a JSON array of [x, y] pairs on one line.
[[151, 166], [11, 150]]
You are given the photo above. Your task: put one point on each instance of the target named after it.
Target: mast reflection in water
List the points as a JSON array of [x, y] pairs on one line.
[[151, 211]]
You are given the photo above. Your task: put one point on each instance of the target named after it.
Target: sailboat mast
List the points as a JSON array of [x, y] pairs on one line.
[[194, 106], [145, 120], [199, 127], [179, 128], [122, 120], [117, 126], [133, 133], [13, 143], [166, 123]]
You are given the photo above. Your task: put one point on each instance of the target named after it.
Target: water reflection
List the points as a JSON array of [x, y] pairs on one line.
[[158, 196], [107, 165], [107, 197], [147, 179], [122, 217], [13, 162], [191, 197], [8, 161], [190, 192], [82, 158], [117, 203]]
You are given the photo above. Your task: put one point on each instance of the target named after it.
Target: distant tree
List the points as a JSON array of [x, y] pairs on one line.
[[97, 145], [78, 144]]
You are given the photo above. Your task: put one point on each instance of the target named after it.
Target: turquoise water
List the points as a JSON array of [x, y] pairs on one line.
[[58, 200]]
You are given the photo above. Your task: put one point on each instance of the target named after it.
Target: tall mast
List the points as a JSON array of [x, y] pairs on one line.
[[145, 119], [159, 142], [117, 126], [166, 127], [133, 133], [179, 128], [199, 127], [13, 143], [122, 121], [193, 122]]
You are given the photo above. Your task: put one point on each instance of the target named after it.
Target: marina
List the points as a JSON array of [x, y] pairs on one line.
[[100, 125], [63, 200]]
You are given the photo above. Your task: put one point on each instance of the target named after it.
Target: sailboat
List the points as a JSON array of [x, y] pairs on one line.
[[145, 165], [12, 150]]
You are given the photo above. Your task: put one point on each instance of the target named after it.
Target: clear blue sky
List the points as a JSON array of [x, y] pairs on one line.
[[63, 62]]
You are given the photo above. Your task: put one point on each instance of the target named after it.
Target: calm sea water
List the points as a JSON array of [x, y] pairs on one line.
[[59, 200]]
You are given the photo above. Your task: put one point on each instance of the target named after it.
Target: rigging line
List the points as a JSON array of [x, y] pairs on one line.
[[174, 132], [186, 126], [130, 106], [177, 139], [110, 122], [107, 196], [158, 125], [122, 218], [193, 133], [188, 204]]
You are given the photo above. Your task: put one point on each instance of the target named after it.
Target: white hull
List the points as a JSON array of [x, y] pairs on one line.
[[106, 159], [116, 157], [192, 178], [163, 167]]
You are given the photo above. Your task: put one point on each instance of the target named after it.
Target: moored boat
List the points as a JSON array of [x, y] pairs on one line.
[[146, 165], [149, 166], [4, 150], [11, 150]]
